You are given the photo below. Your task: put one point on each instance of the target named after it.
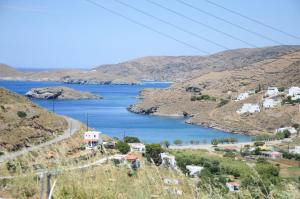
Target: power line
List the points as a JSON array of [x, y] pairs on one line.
[[146, 27], [254, 20], [173, 25], [203, 24], [229, 22]]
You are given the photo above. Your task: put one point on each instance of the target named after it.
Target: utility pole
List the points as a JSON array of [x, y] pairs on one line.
[[48, 185], [124, 135], [41, 185], [87, 122], [53, 105], [71, 128]]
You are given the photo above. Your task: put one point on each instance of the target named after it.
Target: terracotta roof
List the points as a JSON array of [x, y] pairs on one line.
[[131, 157]]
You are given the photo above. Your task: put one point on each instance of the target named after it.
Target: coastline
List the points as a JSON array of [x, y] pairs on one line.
[[152, 111]]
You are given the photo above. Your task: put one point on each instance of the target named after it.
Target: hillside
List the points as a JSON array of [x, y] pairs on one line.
[[159, 68], [22, 123], [8, 71], [282, 71]]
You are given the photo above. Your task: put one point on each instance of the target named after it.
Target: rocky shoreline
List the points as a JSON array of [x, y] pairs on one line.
[[60, 93], [153, 111]]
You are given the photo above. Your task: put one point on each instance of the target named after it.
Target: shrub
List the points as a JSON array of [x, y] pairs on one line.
[[153, 152], [165, 143], [223, 102], [131, 139], [1, 153], [11, 166], [215, 142], [21, 114], [177, 142], [123, 147], [259, 143], [296, 126]]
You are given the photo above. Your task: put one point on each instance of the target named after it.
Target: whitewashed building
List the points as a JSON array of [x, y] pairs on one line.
[[294, 92], [271, 103], [92, 139], [249, 108], [272, 91], [242, 96], [194, 170], [292, 130], [168, 160], [137, 147], [233, 186], [296, 150]]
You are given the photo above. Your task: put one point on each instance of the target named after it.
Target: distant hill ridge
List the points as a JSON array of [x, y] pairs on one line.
[[159, 68]]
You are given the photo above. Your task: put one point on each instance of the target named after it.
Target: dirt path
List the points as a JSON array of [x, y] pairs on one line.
[[73, 127]]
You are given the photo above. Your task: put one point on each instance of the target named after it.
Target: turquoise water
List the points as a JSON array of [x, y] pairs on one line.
[[109, 115]]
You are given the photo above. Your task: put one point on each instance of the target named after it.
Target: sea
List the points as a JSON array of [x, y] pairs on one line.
[[110, 115]]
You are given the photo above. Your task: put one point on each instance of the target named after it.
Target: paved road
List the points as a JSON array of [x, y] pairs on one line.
[[73, 127]]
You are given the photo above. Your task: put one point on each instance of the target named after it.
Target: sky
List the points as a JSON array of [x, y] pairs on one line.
[[81, 34]]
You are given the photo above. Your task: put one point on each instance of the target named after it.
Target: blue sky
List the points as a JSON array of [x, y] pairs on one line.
[[76, 33]]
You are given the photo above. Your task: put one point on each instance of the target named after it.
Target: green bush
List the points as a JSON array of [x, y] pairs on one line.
[[258, 143], [11, 166], [177, 142], [223, 102], [131, 139], [153, 152], [21, 114], [215, 142], [123, 147]]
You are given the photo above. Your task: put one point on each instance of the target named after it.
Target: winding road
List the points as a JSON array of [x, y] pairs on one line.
[[73, 127]]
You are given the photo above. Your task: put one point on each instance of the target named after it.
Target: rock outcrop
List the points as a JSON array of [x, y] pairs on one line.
[[60, 93]]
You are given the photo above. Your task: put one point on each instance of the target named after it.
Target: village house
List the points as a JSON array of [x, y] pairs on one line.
[[271, 103], [242, 96], [233, 186], [92, 139], [294, 92], [249, 108], [133, 160], [296, 150], [272, 91], [292, 130], [137, 147], [272, 154], [168, 160], [194, 170]]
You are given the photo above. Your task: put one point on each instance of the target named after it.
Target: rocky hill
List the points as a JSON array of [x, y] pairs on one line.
[[159, 68], [8, 71], [60, 93], [208, 99], [23, 123]]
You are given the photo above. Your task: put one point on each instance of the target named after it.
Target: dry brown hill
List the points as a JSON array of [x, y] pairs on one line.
[[23, 123], [282, 71], [159, 68]]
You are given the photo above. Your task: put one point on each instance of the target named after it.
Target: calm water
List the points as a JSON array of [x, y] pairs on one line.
[[110, 116]]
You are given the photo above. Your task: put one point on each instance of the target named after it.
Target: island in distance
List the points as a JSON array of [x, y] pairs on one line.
[[60, 93]]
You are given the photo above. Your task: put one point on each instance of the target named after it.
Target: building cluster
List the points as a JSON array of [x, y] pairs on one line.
[[272, 99]]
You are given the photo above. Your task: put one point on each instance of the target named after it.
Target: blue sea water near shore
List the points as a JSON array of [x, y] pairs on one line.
[[110, 116]]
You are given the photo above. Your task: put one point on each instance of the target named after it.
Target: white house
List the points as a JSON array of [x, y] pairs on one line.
[[271, 103], [292, 130], [168, 160], [138, 147], [194, 170], [294, 92], [93, 139], [296, 150], [249, 108], [242, 96], [233, 186], [272, 91]]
